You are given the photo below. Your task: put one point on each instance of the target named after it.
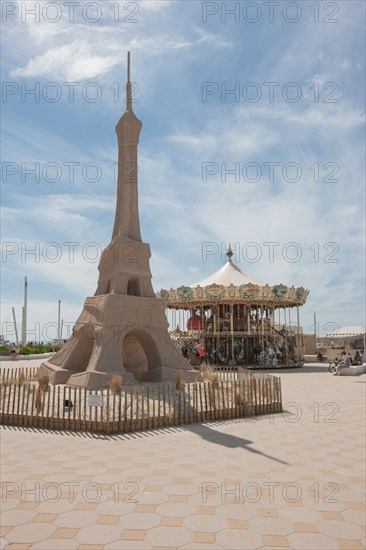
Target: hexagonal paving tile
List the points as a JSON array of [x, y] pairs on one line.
[[271, 526], [324, 507], [17, 517], [174, 537], [10, 504], [55, 544], [128, 545], [152, 497], [34, 532], [239, 539], [310, 541], [205, 523], [98, 534], [299, 514], [114, 508], [76, 519], [340, 530], [354, 516], [201, 546], [140, 520], [55, 507], [236, 511], [177, 509], [180, 489]]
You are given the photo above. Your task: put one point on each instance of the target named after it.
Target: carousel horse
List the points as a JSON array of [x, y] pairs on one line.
[[270, 356], [222, 358]]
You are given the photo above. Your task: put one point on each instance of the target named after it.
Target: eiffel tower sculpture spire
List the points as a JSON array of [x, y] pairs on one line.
[[122, 328], [128, 132]]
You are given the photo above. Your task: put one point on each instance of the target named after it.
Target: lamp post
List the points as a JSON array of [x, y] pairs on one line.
[[58, 322], [24, 314], [15, 328]]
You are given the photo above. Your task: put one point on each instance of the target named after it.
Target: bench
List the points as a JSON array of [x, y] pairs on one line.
[[353, 371]]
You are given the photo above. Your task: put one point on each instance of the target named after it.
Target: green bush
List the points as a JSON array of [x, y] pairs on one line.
[[38, 348], [31, 349]]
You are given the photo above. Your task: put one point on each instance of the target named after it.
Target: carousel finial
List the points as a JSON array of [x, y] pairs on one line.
[[229, 253]]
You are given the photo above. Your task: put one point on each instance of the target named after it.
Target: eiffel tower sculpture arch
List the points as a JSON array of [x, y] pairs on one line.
[[122, 328]]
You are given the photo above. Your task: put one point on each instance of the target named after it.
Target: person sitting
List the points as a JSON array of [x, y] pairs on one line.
[[344, 361], [357, 359]]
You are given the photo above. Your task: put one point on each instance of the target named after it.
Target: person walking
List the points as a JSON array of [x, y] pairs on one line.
[[14, 352]]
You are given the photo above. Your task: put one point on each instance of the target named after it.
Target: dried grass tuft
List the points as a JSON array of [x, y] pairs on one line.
[[180, 380], [211, 395], [43, 382], [115, 383], [168, 419], [38, 400], [209, 374], [239, 398], [21, 378]]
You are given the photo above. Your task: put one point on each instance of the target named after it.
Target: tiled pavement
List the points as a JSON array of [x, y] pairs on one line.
[[294, 480]]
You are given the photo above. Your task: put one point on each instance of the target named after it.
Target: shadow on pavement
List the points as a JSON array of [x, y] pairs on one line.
[[228, 440], [205, 431]]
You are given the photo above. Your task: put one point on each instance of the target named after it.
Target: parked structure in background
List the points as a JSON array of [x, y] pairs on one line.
[[350, 336]]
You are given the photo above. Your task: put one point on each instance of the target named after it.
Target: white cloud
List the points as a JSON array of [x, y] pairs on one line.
[[76, 51], [73, 62], [341, 116], [153, 5]]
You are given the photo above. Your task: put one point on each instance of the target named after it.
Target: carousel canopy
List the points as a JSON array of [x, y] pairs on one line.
[[345, 332], [228, 275], [231, 285]]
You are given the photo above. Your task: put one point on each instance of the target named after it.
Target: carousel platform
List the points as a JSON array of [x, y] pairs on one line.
[[278, 367], [241, 367]]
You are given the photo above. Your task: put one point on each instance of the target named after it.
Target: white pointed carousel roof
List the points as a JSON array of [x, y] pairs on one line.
[[227, 275], [231, 284]]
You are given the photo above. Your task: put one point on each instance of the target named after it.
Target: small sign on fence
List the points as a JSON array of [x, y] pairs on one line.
[[95, 400]]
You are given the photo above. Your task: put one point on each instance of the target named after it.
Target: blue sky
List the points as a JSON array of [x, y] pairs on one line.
[[292, 133]]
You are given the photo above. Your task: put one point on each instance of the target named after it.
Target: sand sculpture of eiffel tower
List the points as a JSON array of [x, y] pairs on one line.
[[122, 328]]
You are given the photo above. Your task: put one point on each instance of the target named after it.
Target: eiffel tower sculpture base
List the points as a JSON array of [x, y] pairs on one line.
[[138, 347], [119, 333]]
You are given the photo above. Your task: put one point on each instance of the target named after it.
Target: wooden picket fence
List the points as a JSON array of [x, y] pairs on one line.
[[29, 403]]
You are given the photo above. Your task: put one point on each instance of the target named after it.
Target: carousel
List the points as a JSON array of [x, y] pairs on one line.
[[237, 320]]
